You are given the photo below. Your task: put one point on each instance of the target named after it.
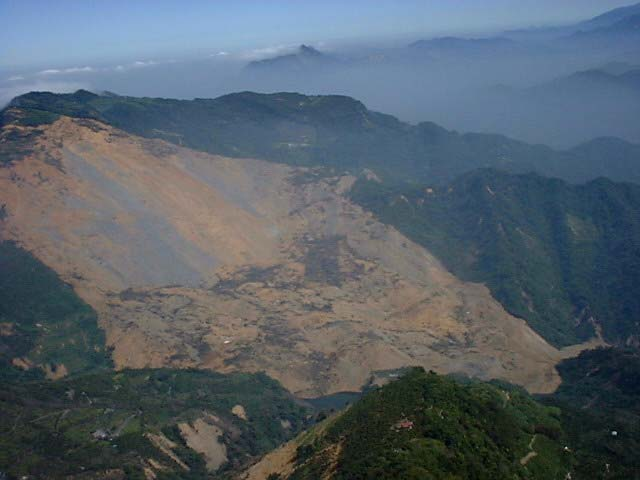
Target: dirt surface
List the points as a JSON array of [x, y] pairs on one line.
[[194, 260], [166, 446], [282, 460], [55, 372], [240, 412], [204, 437], [532, 453]]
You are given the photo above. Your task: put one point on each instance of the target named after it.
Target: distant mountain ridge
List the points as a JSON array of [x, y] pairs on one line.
[[303, 58], [331, 131], [627, 28], [628, 79], [601, 101], [607, 22], [594, 82], [464, 46], [610, 18]]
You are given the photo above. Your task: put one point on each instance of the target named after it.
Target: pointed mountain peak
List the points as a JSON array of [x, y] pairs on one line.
[[308, 51]]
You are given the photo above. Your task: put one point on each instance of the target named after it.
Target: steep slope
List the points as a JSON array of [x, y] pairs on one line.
[[566, 258], [44, 327], [86, 421], [424, 426], [142, 424], [600, 400], [331, 131], [197, 260]]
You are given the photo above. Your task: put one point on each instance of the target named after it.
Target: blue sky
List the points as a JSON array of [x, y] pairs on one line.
[[65, 32]]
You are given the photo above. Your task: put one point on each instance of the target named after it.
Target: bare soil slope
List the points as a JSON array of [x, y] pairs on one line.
[[197, 260]]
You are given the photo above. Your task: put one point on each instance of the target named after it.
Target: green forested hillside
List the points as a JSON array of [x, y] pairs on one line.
[[600, 402], [425, 426], [563, 257], [332, 131], [43, 322], [88, 425], [52, 429]]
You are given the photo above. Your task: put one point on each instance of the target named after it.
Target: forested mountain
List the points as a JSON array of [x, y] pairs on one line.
[[330, 131], [600, 398], [565, 258], [428, 426], [424, 426]]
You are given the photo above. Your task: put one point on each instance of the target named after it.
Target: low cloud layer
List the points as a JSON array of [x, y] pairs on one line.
[[72, 70], [524, 88]]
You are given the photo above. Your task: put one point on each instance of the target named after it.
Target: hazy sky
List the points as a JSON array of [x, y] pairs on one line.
[[53, 33]]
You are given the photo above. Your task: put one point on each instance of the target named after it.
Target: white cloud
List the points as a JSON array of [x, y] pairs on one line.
[[56, 71], [89, 69], [50, 71], [79, 69], [141, 63], [15, 78], [272, 51], [136, 64]]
